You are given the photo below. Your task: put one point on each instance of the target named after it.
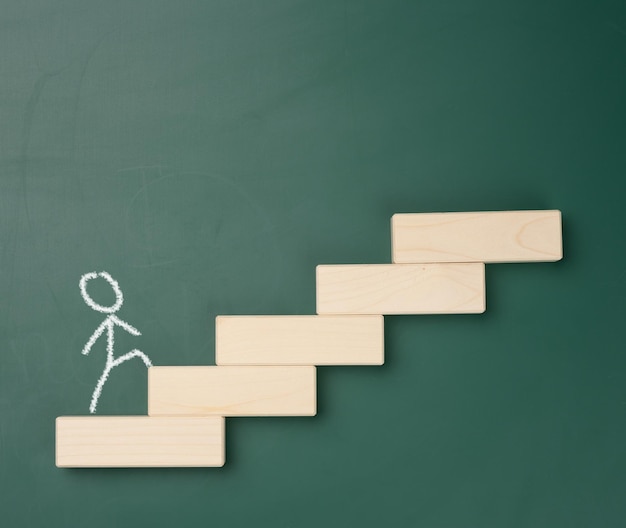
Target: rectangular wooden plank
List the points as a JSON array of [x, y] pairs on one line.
[[299, 340], [139, 441], [492, 236], [232, 391], [401, 289]]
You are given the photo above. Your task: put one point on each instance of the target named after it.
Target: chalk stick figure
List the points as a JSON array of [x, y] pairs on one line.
[[108, 324]]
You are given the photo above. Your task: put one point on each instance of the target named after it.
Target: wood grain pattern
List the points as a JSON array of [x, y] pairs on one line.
[[139, 441], [299, 340], [401, 289], [232, 391], [494, 236]]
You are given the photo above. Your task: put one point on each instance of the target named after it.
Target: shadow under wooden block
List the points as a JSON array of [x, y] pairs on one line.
[[390, 289], [232, 391], [492, 236], [139, 441], [299, 340]]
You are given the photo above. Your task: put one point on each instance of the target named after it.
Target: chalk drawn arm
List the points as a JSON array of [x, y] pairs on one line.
[[94, 337], [129, 328]]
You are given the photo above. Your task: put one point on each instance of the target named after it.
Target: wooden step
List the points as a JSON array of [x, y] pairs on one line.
[[232, 391], [139, 441], [401, 289], [299, 340], [493, 236]]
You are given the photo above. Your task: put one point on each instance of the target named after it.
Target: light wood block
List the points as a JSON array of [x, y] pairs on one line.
[[401, 289], [139, 441], [299, 340], [232, 391], [494, 236]]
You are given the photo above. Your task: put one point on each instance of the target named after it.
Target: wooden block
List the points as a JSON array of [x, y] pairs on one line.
[[232, 391], [299, 340], [494, 236], [401, 289], [139, 441]]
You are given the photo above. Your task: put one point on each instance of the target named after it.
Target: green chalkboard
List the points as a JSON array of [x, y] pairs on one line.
[[209, 155]]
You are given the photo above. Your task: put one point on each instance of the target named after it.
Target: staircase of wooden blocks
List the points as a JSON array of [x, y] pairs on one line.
[[266, 365]]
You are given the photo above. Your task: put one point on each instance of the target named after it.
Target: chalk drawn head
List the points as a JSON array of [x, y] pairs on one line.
[[119, 298]]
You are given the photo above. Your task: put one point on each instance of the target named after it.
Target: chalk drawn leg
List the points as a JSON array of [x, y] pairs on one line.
[[98, 390], [110, 365], [133, 353]]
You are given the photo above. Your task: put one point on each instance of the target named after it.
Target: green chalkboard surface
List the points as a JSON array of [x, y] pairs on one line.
[[209, 155]]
